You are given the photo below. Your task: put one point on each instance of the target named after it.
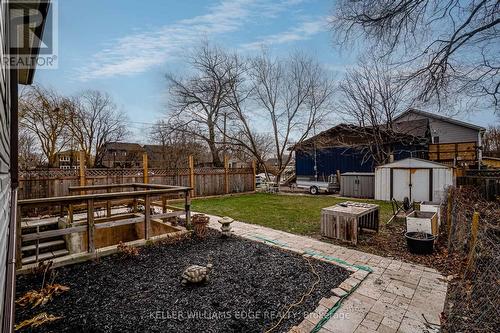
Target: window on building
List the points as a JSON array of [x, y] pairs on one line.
[[435, 139]]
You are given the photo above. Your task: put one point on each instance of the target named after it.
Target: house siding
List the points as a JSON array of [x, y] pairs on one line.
[[447, 132], [5, 176]]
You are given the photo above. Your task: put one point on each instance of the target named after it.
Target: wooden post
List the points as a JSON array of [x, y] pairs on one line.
[[254, 178], [90, 225], [145, 167], [473, 240], [187, 207], [164, 204], [226, 174], [82, 170], [147, 216], [134, 204], [70, 213], [108, 204], [37, 250], [448, 215], [191, 174]]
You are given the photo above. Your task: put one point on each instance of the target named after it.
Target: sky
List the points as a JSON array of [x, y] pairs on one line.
[[125, 47]]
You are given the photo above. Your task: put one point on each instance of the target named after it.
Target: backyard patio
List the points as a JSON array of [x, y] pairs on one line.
[[258, 275]]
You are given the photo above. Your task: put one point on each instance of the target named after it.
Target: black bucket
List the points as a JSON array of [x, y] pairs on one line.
[[420, 242]]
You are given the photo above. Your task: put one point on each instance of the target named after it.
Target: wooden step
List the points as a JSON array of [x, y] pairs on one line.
[[44, 256], [43, 245]]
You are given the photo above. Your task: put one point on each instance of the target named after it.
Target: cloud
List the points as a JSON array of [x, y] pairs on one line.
[[141, 51], [303, 31]]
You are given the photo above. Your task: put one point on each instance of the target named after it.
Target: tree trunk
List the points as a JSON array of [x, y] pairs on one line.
[[215, 155]]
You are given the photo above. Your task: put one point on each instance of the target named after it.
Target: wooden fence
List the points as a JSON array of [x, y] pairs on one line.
[[205, 181], [486, 182], [451, 153]]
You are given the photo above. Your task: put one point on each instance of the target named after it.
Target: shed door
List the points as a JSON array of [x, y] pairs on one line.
[[401, 184], [420, 185]]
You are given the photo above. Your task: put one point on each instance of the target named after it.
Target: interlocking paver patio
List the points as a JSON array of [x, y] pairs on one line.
[[395, 297]]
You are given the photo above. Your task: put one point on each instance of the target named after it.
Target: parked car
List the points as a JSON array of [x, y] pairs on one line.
[[316, 186]]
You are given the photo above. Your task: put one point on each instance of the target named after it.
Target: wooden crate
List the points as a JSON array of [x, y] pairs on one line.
[[343, 221], [422, 221]]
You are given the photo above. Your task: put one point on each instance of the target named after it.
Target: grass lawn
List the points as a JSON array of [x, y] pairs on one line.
[[299, 214]]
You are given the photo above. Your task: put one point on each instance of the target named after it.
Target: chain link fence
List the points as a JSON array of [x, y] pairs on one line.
[[473, 299]]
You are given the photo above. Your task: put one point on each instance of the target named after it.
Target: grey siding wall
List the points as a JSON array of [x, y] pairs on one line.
[[5, 186], [447, 132]]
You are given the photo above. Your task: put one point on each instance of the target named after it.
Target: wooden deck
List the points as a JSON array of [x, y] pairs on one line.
[[86, 203]]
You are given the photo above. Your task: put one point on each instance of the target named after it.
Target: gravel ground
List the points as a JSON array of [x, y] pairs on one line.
[[249, 287]]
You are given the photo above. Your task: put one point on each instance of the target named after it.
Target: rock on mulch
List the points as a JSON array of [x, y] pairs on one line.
[[250, 285]]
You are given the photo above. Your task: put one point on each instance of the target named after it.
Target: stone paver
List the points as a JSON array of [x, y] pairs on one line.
[[394, 297]]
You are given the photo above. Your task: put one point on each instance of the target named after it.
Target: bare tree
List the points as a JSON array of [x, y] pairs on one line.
[[239, 128], [29, 154], [94, 121], [292, 96], [44, 113], [198, 101], [370, 96], [491, 141], [173, 147], [449, 46]]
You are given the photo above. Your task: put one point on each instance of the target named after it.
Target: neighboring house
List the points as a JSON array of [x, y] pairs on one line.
[[343, 148], [157, 155], [9, 152], [452, 141], [68, 159], [272, 163], [130, 155], [122, 155], [236, 163], [170, 156]]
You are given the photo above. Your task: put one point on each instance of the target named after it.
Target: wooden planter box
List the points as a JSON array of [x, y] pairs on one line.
[[419, 221], [345, 220], [429, 206]]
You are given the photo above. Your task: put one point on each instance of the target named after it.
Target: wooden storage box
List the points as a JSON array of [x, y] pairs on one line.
[[419, 221], [343, 221]]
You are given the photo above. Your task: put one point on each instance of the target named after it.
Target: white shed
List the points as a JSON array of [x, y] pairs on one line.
[[417, 179]]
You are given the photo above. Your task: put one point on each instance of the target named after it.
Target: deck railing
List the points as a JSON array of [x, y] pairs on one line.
[[141, 193]]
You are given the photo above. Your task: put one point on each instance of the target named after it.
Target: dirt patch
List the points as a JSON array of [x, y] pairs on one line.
[[390, 241], [250, 285]]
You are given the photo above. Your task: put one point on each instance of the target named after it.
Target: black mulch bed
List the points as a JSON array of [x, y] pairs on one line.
[[250, 285]]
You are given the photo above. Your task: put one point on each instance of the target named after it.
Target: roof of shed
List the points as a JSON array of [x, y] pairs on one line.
[[358, 174], [412, 162]]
